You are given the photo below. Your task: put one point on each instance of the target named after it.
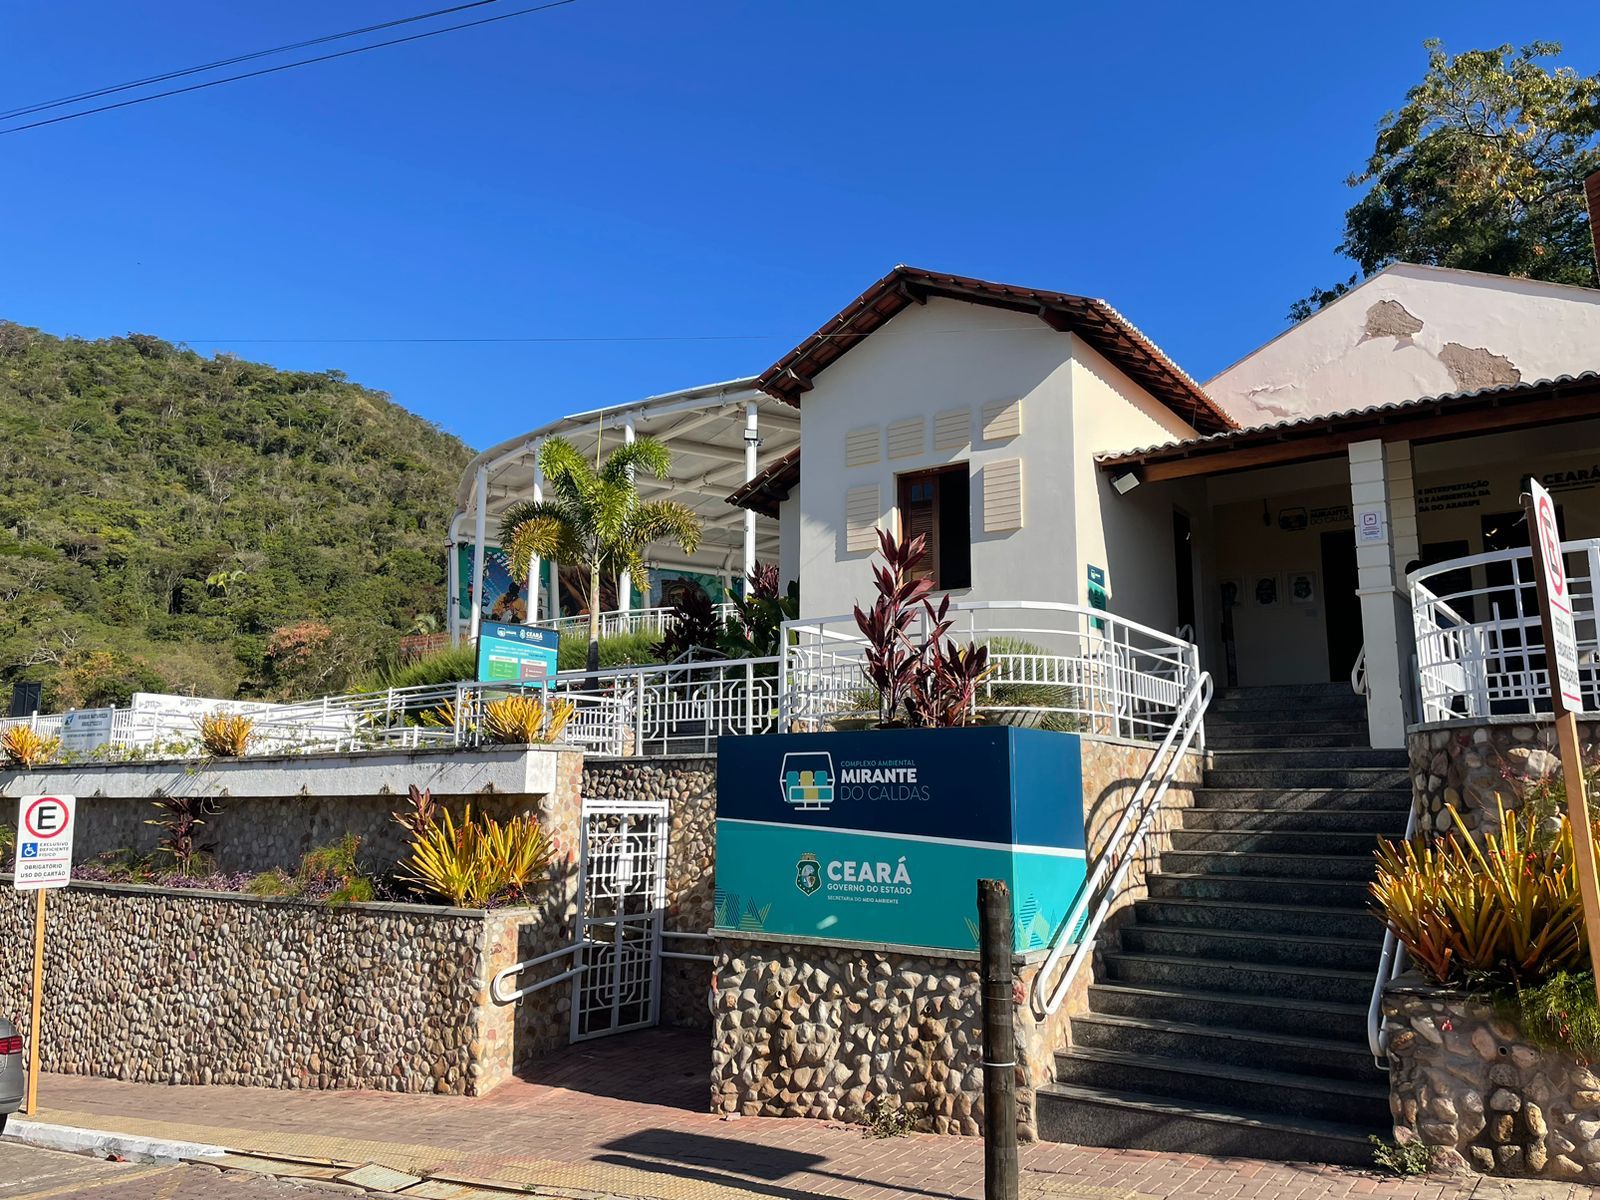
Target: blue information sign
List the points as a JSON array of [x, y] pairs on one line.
[[881, 836], [517, 655]]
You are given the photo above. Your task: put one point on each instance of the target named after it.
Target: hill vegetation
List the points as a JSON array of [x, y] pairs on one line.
[[175, 523]]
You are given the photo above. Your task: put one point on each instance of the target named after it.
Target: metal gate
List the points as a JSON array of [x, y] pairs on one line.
[[622, 897]]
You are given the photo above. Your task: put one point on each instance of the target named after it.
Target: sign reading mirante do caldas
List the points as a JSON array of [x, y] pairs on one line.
[[881, 836]]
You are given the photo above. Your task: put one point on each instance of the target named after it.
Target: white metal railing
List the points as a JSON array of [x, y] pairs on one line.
[[627, 621], [1358, 675], [1056, 665], [1479, 642], [1391, 962], [1120, 851]]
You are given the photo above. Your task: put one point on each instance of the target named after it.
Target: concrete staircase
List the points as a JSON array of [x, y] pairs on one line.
[[1229, 1017]]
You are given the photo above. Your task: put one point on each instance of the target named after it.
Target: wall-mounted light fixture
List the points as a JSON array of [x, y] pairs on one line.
[[1126, 482]]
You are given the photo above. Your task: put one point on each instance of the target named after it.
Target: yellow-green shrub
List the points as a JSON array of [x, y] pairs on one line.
[[226, 735], [23, 747], [1507, 911], [478, 862], [520, 719]]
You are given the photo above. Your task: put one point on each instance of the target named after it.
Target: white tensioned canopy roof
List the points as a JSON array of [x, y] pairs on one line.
[[703, 427]]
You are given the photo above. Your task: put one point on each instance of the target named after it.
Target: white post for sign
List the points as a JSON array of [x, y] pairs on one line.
[[45, 828], [1566, 695]]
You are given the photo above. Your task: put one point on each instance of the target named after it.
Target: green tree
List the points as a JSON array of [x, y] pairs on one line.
[[596, 519], [1481, 169]]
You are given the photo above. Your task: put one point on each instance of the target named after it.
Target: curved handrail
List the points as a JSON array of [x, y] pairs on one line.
[[1391, 961], [1358, 674], [1186, 723]]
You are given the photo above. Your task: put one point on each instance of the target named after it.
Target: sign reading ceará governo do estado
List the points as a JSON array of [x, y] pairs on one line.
[[881, 836]]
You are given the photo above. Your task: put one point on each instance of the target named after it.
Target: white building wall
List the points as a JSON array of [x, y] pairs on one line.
[[932, 359], [1413, 331], [1130, 536], [789, 539]]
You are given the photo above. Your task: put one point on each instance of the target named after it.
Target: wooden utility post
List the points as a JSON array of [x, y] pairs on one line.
[[1561, 663], [31, 1105], [999, 1041]]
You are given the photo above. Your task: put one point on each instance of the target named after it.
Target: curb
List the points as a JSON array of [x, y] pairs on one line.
[[102, 1143]]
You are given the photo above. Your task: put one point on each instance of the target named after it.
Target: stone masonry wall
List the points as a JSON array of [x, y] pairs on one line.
[[824, 1031], [1475, 767], [689, 785], [202, 988], [257, 833], [1464, 1082]]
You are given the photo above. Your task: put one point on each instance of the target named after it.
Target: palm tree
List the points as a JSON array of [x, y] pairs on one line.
[[596, 519]]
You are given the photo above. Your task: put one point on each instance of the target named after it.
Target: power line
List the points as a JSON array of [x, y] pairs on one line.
[[303, 62], [236, 59], [554, 340]]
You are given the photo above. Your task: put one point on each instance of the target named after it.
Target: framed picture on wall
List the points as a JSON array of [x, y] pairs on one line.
[[1231, 592], [1266, 589], [1302, 587]]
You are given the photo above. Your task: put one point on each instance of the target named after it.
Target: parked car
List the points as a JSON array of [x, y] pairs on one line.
[[11, 1081]]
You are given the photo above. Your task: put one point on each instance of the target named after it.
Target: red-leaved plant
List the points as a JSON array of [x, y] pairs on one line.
[[925, 681]]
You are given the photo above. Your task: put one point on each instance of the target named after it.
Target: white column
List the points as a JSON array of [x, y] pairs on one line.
[[1383, 501], [752, 443], [452, 598], [479, 530], [625, 580], [535, 564]]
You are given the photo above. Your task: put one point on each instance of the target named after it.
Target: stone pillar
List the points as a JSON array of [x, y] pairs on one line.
[[1383, 499]]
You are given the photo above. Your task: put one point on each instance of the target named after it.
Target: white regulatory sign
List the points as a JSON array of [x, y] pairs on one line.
[[1563, 655], [45, 825]]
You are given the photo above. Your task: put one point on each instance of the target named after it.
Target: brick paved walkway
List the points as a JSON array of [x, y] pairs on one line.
[[624, 1117]]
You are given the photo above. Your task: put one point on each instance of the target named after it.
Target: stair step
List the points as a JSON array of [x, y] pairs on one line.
[[1286, 980], [1296, 778], [1333, 689], [1286, 722], [1338, 758], [1359, 1103], [1293, 1054], [1259, 889], [1347, 707], [1257, 917], [1223, 739], [1284, 799], [1132, 1120], [1245, 862], [1272, 1014], [1276, 841], [1373, 823], [1255, 947]]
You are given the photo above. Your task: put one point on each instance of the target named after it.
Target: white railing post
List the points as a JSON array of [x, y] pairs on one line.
[[638, 715]]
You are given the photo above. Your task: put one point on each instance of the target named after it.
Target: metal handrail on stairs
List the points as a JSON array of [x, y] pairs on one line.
[[1145, 804], [1391, 962]]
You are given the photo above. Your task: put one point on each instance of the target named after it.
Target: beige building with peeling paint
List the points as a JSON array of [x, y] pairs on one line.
[[1414, 331]]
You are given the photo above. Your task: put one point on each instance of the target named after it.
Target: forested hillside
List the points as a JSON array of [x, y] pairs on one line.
[[176, 523]]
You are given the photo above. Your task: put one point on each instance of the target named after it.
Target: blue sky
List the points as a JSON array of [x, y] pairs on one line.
[[727, 174]]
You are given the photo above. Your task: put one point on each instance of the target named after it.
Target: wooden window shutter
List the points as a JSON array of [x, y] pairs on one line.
[[908, 438], [861, 447], [1002, 420], [861, 512], [952, 430], [1002, 495]]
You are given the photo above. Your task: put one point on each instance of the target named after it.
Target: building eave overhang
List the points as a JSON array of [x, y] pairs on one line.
[[1426, 419]]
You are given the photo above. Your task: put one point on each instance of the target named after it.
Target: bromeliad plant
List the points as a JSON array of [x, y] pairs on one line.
[[226, 735], [923, 682], [23, 747], [519, 720], [479, 862], [1506, 911]]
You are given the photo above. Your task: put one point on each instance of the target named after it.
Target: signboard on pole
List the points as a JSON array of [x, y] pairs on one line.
[[522, 655], [1566, 697], [1556, 600], [45, 828]]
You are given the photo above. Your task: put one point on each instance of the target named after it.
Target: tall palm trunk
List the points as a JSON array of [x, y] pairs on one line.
[[594, 615]]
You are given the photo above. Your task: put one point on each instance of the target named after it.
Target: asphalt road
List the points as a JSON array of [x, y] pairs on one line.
[[29, 1174]]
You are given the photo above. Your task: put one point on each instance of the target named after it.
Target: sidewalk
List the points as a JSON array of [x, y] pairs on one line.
[[624, 1118]]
